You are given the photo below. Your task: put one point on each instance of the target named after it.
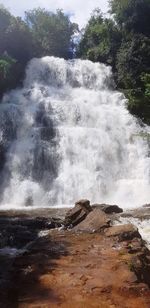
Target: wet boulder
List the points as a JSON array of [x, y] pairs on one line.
[[96, 221], [77, 214], [19, 231], [140, 213], [123, 232], [108, 209]]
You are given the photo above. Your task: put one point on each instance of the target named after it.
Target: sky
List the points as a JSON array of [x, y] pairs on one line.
[[79, 10]]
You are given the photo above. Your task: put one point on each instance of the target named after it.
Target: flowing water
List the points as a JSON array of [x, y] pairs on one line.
[[67, 135]]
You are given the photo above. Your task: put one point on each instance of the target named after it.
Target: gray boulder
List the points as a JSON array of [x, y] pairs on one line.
[[108, 209]]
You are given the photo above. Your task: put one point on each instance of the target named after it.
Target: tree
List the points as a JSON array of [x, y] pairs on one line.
[[5, 20], [146, 82], [42, 33], [101, 40], [15, 49], [124, 43], [7, 65], [18, 40], [52, 33], [133, 59], [132, 15]]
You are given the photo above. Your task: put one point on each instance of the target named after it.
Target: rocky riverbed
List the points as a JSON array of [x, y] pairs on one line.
[[88, 256]]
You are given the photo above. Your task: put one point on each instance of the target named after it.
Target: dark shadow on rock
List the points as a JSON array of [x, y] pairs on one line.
[[19, 231], [27, 269], [40, 260], [15, 275]]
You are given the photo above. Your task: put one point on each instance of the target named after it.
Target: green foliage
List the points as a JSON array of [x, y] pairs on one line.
[[52, 33], [15, 49], [101, 40], [5, 19], [42, 33], [132, 15], [133, 66], [124, 43], [133, 58], [146, 81], [138, 104], [7, 65], [18, 40]]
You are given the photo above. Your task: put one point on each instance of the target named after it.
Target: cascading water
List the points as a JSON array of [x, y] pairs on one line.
[[67, 135]]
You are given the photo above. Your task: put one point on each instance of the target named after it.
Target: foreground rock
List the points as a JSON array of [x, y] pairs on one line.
[[93, 264], [90, 218], [124, 232], [140, 260], [108, 209], [69, 269], [141, 213], [78, 213], [96, 221]]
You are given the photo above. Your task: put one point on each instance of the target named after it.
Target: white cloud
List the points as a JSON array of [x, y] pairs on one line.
[[80, 9]]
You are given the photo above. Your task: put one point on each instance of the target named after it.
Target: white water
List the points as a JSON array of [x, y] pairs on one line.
[[71, 138], [142, 225]]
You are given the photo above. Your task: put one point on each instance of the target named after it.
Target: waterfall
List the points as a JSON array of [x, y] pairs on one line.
[[67, 135]]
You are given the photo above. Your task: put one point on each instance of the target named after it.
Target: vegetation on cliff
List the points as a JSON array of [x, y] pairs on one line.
[[41, 33], [123, 41]]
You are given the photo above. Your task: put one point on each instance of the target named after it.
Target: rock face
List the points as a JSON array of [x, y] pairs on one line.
[[84, 203], [108, 209], [96, 221], [17, 232], [124, 232], [146, 205], [66, 269], [139, 213], [97, 267], [78, 213]]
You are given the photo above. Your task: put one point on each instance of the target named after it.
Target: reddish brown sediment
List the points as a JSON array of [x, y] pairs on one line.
[[66, 270]]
